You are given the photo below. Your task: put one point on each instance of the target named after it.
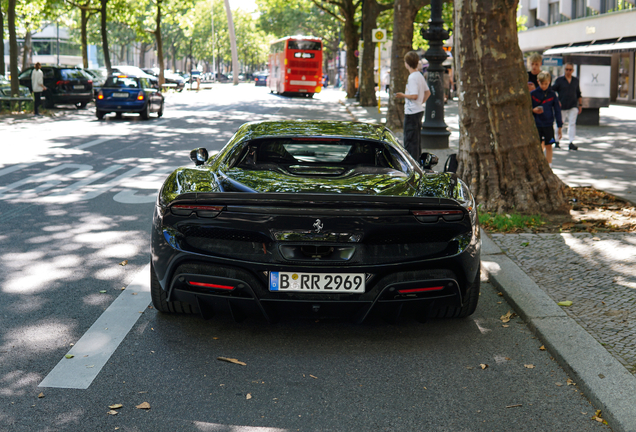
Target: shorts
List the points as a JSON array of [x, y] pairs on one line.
[[546, 135]]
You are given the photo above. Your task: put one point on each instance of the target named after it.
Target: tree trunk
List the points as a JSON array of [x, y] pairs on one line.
[[84, 24], [230, 25], [2, 65], [142, 54], [26, 48], [404, 12], [348, 10], [370, 11], [159, 44], [13, 50], [105, 37], [500, 157]]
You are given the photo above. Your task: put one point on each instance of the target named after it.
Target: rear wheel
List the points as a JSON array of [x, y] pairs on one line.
[[118, 116], [81, 105], [145, 114], [159, 296], [469, 306]]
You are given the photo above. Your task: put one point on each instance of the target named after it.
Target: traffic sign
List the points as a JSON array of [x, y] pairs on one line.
[[379, 35]]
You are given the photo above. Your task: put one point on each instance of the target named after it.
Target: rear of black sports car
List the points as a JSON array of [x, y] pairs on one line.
[[315, 254]]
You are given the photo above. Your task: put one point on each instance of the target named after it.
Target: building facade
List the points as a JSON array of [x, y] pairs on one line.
[[590, 29]]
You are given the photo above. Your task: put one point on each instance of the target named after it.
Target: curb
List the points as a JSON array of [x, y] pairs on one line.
[[602, 378]]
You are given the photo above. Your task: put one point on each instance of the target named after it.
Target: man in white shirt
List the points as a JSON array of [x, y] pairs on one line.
[[415, 95], [37, 85]]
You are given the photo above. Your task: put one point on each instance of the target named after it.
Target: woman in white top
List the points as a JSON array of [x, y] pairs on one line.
[[37, 85]]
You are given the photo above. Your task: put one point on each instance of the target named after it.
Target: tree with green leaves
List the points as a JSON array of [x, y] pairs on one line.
[[87, 10], [345, 11], [404, 13], [371, 9]]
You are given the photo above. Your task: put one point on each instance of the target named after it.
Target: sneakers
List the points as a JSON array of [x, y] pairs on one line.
[[556, 145], [573, 147]]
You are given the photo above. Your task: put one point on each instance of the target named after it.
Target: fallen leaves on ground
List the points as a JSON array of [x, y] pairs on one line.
[[529, 366], [514, 406], [123, 263], [112, 412], [143, 405], [506, 318], [249, 396], [41, 395], [231, 360], [566, 303], [598, 418], [69, 356], [570, 382], [115, 406], [483, 365], [314, 377], [542, 347]]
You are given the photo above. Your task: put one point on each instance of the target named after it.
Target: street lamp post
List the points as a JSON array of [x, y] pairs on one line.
[[435, 132]]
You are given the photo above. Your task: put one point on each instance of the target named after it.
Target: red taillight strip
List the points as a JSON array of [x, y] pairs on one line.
[[415, 290], [197, 207], [208, 285], [436, 212]]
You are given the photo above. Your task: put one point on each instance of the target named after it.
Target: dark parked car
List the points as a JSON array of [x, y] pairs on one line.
[[260, 79], [99, 76], [129, 94], [65, 85], [314, 218]]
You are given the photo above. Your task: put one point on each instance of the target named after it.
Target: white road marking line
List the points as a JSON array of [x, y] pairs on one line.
[[84, 182], [93, 143], [45, 176], [14, 168], [99, 343]]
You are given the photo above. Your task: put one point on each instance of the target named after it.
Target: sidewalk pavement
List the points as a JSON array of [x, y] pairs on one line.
[[594, 340]]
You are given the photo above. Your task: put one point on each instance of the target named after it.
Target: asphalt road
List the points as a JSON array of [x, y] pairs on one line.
[[76, 199]]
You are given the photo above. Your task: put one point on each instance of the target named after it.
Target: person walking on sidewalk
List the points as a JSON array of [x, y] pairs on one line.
[[546, 107], [534, 63], [415, 95], [37, 85], [569, 91]]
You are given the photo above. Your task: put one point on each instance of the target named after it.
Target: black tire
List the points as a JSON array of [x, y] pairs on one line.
[[469, 306], [145, 113], [118, 116], [160, 112], [158, 296], [81, 105], [100, 114]]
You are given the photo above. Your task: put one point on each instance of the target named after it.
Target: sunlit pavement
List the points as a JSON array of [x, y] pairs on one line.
[[76, 200]]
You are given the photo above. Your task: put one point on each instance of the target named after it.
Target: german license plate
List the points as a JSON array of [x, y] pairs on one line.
[[78, 87], [120, 95], [316, 282]]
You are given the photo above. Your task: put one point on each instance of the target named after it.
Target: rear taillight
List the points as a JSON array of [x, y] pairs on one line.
[[140, 96], [90, 81], [100, 95], [206, 211], [418, 290], [433, 215], [62, 82], [209, 285]]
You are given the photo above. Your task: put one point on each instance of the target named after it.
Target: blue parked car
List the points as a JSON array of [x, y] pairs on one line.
[[129, 94]]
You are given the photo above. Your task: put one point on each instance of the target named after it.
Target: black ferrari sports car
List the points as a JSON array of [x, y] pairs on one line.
[[317, 218]]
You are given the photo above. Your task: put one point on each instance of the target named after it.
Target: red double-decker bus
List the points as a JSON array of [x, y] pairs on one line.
[[295, 65]]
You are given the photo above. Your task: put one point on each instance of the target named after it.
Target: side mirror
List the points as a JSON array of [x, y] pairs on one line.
[[199, 156], [451, 163], [428, 160]]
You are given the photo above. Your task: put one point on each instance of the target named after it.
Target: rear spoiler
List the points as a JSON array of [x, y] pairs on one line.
[[323, 201]]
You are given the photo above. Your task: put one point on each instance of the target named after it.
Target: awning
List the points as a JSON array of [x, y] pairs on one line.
[[592, 47]]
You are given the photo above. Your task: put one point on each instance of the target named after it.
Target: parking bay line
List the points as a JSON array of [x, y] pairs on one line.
[[93, 143], [95, 348]]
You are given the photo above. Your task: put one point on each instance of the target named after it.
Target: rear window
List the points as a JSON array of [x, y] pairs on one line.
[[303, 45], [122, 82], [76, 74], [315, 151]]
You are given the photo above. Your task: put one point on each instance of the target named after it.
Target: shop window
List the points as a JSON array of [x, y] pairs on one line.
[[579, 9], [623, 75]]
